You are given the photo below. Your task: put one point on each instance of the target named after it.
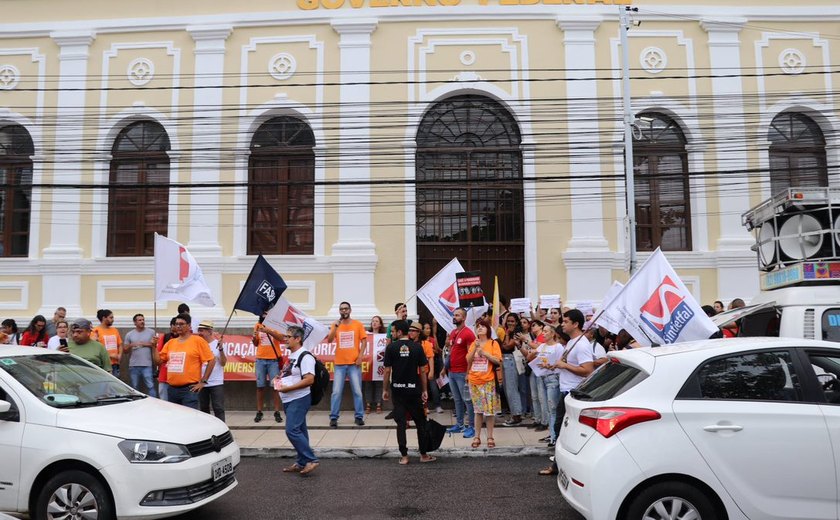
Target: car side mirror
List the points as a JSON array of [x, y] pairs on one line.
[[7, 413]]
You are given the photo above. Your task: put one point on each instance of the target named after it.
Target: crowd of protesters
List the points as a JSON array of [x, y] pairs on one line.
[[513, 369]]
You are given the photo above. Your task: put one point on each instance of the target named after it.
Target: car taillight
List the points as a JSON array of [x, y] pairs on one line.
[[609, 421]]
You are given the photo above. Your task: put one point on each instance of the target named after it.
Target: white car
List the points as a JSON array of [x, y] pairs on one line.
[[745, 428], [76, 442]]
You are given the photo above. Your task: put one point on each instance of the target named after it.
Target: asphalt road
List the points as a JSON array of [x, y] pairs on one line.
[[450, 488]]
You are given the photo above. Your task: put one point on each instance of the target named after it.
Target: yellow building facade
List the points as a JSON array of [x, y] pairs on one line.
[[361, 144]]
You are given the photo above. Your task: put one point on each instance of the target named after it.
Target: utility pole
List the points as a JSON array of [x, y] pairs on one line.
[[629, 120]]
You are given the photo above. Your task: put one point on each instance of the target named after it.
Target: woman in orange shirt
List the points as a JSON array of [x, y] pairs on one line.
[[484, 356]]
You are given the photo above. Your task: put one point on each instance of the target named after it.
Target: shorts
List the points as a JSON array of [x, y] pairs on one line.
[[266, 368]]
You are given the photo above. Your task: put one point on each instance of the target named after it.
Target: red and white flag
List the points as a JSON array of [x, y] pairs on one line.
[[284, 314], [440, 295], [177, 275], [656, 307]]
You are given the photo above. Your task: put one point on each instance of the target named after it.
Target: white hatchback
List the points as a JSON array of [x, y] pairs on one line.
[[76, 442], [744, 428]]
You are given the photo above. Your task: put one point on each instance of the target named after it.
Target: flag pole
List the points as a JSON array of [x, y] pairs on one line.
[[228, 321]]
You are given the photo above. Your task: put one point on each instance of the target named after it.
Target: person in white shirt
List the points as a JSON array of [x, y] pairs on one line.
[[214, 391], [60, 338], [293, 384]]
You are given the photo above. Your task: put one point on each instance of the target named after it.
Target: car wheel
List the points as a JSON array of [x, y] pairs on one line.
[[74, 495], [671, 501]]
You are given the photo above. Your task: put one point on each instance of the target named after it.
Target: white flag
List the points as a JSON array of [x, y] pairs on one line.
[[440, 294], [177, 274], [284, 314], [604, 320], [656, 307]]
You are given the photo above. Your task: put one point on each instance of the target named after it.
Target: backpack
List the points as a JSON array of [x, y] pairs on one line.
[[322, 378]]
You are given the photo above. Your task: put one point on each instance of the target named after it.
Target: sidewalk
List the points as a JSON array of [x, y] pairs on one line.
[[378, 438]]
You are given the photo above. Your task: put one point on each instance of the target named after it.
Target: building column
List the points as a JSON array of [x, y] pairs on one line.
[[737, 274], [61, 279], [587, 257], [354, 254], [207, 138]]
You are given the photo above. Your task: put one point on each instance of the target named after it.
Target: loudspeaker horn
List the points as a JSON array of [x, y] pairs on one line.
[[767, 244], [792, 242]]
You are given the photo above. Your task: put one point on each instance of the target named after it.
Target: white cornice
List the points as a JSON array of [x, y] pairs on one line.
[[423, 14], [579, 23], [73, 38], [723, 25]]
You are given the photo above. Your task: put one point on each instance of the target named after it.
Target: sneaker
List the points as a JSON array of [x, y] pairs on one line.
[[389, 416], [438, 410], [277, 417], [546, 439], [513, 421], [258, 417], [360, 421], [455, 429], [333, 423], [541, 428], [469, 432], [532, 426], [551, 444]]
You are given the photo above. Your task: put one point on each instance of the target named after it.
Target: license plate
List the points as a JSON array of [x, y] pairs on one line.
[[223, 468], [564, 480]]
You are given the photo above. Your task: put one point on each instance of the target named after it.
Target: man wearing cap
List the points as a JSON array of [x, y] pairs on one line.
[[138, 345], [184, 357], [214, 391], [81, 345]]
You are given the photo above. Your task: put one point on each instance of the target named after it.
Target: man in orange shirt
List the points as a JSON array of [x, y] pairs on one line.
[[184, 356], [267, 367], [350, 339], [109, 336]]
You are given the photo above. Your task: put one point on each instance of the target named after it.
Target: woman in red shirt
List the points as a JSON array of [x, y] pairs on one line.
[[35, 334]]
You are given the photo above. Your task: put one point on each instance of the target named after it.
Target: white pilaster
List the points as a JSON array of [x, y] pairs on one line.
[[736, 263], [354, 254], [206, 157], [207, 135], [587, 255], [61, 281]]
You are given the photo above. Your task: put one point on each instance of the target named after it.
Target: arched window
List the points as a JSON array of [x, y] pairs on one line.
[[797, 152], [660, 165], [16, 152], [281, 188], [469, 198], [138, 196]]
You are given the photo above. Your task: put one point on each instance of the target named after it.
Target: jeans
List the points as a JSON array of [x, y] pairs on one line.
[[183, 395], [539, 400], [434, 393], [115, 371], [146, 373], [511, 384], [552, 390], [266, 367], [216, 395], [375, 392], [355, 374], [163, 391], [296, 429], [413, 406], [461, 394], [524, 393]]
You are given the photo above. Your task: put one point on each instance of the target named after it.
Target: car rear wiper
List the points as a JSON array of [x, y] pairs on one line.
[[580, 394]]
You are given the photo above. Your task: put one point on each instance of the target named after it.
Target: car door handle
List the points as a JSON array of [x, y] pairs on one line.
[[723, 428]]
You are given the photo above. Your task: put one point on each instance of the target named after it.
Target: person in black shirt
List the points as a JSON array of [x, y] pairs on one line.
[[404, 378]]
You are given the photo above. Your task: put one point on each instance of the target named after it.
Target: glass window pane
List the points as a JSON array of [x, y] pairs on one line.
[[764, 376]]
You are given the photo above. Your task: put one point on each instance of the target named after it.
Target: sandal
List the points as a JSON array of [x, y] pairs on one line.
[[378, 408], [367, 409], [546, 472], [294, 468], [491, 442], [476, 442]]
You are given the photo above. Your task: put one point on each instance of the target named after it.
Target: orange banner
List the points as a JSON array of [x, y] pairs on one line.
[[241, 357]]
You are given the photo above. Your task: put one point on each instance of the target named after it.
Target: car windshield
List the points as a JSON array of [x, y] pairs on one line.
[[63, 380]]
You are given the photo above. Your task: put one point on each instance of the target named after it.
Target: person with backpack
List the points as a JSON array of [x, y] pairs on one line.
[[293, 384]]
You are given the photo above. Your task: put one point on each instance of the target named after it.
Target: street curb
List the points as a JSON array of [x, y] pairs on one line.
[[389, 453]]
